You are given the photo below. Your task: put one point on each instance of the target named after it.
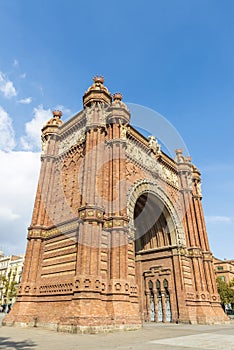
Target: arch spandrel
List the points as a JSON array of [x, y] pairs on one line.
[[173, 219]]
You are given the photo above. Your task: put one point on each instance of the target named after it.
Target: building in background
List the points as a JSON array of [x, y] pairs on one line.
[[224, 269], [11, 268], [4, 262]]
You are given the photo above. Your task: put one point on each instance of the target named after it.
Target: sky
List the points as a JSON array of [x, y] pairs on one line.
[[175, 57]]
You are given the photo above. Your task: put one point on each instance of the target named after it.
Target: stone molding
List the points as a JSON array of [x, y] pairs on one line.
[[91, 213], [41, 232]]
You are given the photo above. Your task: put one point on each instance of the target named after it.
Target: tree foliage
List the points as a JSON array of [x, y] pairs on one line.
[[8, 287], [231, 283], [226, 291]]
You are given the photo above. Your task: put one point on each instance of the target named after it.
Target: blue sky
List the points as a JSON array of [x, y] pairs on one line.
[[175, 57]]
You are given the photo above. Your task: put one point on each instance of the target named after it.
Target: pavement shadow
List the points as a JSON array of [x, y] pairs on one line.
[[6, 343]]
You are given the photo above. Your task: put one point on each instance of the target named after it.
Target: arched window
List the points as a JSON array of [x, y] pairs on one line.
[[165, 284], [159, 298], [167, 301], [158, 285], [152, 306], [150, 284]]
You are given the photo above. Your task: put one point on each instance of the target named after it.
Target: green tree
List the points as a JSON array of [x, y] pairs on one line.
[[9, 289], [225, 291], [231, 283]]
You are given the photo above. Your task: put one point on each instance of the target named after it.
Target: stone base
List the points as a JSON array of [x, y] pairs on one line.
[[70, 328], [93, 316], [207, 314], [76, 316]]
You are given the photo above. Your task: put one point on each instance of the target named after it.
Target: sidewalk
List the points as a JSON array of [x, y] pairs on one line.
[[151, 337]]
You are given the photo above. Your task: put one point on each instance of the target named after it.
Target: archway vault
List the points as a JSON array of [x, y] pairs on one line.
[[148, 186]]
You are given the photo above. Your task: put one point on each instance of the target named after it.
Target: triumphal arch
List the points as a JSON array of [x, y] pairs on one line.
[[118, 235]]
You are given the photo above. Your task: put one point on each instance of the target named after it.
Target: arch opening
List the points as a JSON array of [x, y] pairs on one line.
[[158, 231], [152, 225]]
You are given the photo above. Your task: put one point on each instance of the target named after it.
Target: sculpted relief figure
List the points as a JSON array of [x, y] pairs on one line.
[[44, 143], [123, 130], [102, 113], [154, 145]]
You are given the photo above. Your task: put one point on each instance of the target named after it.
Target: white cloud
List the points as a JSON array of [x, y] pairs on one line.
[[18, 181], [26, 100], [66, 111], [217, 219], [22, 76], [7, 86], [18, 178], [32, 138], [6, 214], [7, 135]]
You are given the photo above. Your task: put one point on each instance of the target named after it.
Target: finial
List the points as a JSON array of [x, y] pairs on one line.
[[98, 79], [179, 151], [97, 92], [180, 158], [57, 113], [117, 96]]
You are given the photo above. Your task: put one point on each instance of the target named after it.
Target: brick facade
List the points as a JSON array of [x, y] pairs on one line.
[[117, 234]]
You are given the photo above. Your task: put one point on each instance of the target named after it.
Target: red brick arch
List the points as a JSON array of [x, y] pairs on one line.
[[170, 211]]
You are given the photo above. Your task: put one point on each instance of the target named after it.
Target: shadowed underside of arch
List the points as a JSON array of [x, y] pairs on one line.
[[146, 204], [150, 220]]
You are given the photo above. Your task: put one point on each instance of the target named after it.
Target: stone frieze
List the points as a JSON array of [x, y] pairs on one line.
[[71, 140], [149, 162]]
